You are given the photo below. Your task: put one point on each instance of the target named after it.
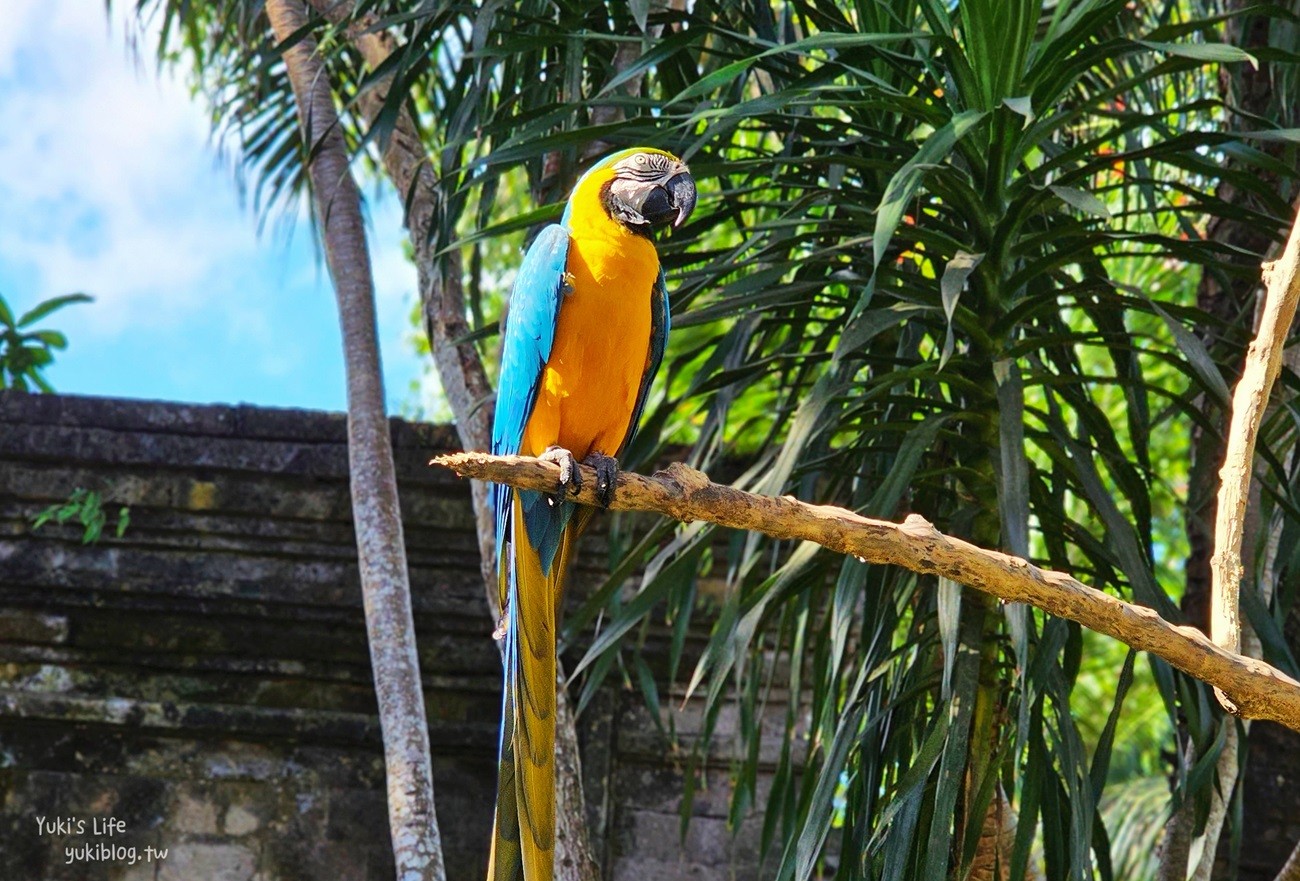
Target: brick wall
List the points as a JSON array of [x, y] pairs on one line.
[[204, 679]]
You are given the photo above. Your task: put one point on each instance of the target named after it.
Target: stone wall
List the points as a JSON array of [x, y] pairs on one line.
[[201, 684]]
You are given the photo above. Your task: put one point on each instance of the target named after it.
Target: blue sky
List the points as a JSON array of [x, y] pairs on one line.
[[112, 186]]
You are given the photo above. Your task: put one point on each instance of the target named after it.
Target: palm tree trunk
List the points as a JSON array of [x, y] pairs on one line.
[[465, 382], [417, 848]]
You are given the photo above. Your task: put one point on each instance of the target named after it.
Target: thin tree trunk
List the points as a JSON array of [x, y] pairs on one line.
[[465, 382], [1229, 300], [460, 369], [417, 847]]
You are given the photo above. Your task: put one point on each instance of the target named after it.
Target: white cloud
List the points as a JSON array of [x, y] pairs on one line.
[[18, 16], [112, 188]]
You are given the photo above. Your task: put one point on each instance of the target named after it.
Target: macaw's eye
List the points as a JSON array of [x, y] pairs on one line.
[[642, 159]]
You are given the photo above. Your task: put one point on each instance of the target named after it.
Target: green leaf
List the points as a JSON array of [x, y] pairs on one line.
[[1221, 53], [1198, 358], [1285, 135], [1022, 105], [1101, 757], [948, 602], [51, 305], [885, 500], [818, 823], [1276, 649], [715, 80], [1082, 200], [934, 860], [52, 338], [823, 42], [123, 521], [676, 573], [907, 180], [951, 285], [640, 10]]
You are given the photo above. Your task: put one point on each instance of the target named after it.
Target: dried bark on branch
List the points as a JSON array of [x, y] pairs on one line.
[[1263, 363], [1258, 690], [381, 554], [1237, 478]]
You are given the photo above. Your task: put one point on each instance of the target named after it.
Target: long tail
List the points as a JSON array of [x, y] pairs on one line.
[[523, 839]]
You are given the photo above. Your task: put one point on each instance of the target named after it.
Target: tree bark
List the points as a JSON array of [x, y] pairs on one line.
[[442, 298], [1249, 403], [1259, 690], [417, 847], [1263, 364], [1229, 299]]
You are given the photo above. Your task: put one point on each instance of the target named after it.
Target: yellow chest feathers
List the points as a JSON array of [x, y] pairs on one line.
[[592, 379]]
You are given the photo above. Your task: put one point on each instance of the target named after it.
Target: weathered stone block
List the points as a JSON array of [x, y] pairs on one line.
[[141, 871], [17, 625], [210, 862], [640, 868], [193, 811], [240, 821], [354, 814]]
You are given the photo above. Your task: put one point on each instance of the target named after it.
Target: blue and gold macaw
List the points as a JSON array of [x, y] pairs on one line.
[[584, 336]]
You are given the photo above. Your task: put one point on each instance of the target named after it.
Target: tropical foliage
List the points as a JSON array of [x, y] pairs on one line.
[[87, 508], [26, 350], [945, 261]]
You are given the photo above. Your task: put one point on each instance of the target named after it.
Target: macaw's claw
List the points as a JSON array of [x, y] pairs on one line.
[[570, 476], [606, 476]]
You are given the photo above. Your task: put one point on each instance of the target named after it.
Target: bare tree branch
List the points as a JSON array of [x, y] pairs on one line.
[[1259, 690], [417, 846], [1263, 363], [1249, 404]]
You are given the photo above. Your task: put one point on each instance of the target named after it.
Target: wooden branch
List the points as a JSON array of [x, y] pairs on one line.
[[1258, 690], [1236, 479], [1263, 363]]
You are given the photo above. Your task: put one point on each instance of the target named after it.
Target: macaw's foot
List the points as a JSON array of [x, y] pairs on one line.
[[606, 476], [570, 477]]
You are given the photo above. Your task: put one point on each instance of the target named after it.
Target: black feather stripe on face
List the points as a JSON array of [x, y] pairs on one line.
[[644, 166]]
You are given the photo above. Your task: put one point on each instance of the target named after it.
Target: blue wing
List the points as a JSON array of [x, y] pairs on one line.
[[530, 333]]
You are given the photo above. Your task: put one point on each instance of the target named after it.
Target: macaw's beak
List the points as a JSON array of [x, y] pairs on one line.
[[669, 200], [681, 193]]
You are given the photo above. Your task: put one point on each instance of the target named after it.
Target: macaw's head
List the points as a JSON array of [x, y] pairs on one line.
[[643, 188]]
